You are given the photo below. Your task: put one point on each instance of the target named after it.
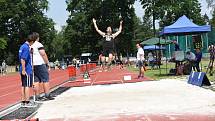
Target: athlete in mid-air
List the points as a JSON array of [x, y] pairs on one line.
[[108, 43]]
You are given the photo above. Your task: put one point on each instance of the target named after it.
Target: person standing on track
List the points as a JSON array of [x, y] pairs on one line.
[[108, 44], [41, 66], [26, 71], [140, 60]]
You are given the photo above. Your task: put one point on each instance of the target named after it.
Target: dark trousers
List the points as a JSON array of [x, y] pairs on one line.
[[197, 66]]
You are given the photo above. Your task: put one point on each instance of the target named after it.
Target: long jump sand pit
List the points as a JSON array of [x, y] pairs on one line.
[[167, 96]]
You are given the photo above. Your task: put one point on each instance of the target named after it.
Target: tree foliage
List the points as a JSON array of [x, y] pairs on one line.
[[190, 8], [19, 18], [143, 29], [80, 31], [168, 11], [154, 9]]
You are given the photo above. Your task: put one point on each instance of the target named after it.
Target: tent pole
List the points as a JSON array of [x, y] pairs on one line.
[[159, 56], [177, 39], [202, 41], [186, 44], [166, 57], [169, 48], [207, 41]]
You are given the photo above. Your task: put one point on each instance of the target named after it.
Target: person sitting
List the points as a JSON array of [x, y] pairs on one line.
[[151, 60], [190, 57]]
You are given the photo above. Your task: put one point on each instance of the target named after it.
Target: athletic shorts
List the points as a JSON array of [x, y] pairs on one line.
[[107, 48], [41, 73], [140, 63], [106, 52], [27, 80]]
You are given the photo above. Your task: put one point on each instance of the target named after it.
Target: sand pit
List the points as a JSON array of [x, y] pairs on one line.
[[169, 96]]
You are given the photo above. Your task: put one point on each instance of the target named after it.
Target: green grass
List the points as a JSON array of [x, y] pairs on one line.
[[162, 73]]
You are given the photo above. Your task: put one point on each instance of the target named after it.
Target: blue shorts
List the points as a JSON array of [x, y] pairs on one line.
[[41, 73], [27, 80]]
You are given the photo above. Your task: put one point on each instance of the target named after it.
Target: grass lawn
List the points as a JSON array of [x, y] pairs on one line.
[[162, 73]]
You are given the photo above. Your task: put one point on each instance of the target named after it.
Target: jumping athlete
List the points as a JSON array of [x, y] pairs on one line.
[[108, 44]]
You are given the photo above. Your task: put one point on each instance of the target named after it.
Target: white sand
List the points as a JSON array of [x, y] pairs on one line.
[[168, 96]]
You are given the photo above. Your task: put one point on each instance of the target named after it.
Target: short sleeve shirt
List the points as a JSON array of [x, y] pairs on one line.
[[140, 54], [37, 58], [24, 53]]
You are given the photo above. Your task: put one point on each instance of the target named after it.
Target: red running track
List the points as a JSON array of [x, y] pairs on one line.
[[11, 84], [10, 88], [115, 76]]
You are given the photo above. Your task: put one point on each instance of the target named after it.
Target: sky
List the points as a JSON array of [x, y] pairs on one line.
[[57, 11]]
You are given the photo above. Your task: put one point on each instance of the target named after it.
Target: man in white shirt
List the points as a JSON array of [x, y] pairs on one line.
[[140, 60], [190, 56], [41, 66]]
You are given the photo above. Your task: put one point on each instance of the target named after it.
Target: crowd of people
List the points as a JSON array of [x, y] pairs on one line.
[[192, 61]]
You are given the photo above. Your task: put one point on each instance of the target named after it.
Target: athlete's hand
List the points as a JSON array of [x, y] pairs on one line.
[[121, 21], [23, 72], [94, 20], [48, 67]]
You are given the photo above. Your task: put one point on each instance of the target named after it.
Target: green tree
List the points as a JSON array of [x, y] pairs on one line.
[[18, 18], [168, 11], [59, 43], [143, 29], [154, 9], [212, 21], [80, 31], [206, 18]]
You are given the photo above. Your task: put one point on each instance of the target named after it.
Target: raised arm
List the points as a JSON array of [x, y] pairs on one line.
[[119, 31], [97, 29]]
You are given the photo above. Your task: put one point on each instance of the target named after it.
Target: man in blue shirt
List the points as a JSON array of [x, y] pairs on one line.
[[26, 71]]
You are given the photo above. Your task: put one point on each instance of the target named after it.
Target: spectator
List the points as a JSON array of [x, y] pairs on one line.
[[26, 71], [190, 57], [41, 66], [4, 67], [151, 59], [198, 55], [140, 60]]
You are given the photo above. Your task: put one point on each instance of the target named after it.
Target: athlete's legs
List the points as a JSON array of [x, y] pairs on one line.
[[103, 62], [36, 88], [110, 59]]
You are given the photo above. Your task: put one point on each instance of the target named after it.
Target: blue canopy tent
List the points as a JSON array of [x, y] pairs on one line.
[[153, 47], [184, 26]]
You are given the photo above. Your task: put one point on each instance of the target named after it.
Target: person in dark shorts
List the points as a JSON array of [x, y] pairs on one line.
[[108, 43], [26, 71], [41, 66]]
